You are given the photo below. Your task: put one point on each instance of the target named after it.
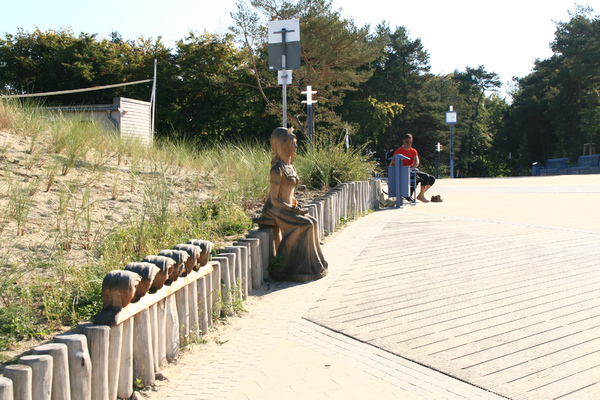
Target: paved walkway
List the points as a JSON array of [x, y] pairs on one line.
[[498, 286]]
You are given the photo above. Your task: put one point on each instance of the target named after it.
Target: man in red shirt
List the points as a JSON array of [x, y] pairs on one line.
[[424, 179]]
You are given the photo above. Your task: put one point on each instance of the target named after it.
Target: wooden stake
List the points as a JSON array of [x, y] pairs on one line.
[[21, 379], [60, 369]]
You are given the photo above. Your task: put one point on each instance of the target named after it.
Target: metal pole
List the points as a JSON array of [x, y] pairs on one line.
[[153, 103], [452, 151], [397, 164], [438, 161], [309, 123], [284, 102], [284, 75]]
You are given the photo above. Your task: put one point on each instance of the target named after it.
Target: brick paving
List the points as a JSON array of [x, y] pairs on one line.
[[422, 300], [508, 306]]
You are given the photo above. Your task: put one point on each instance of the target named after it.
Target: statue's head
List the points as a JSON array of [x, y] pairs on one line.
[[283, 144]]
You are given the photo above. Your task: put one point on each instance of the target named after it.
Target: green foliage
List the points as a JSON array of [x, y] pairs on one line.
[[476, 140], [330, 163], [556, 108], [401, 97], [19, 317], [336, 55], [376, 81]]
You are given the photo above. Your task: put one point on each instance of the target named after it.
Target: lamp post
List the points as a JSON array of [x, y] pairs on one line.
[[451, 120]]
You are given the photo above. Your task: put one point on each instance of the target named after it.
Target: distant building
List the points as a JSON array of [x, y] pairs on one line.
[[130, 118]]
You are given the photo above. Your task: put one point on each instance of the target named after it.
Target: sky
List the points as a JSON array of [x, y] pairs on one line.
[[504, 36]]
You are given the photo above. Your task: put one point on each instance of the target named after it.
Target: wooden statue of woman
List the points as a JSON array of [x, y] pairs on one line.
[[299, 257]]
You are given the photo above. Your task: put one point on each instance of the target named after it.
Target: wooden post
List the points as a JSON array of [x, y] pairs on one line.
[[162, 332], [172, 333], [321, 205], [203, 303], [255, 262], [60, 369], [326, 214], [208, 280], [193, 306], [215, 291], [143, 359], [80, 365], [224, 288], [235, 268], [97, 340], [183, 313], [125, 384], [114, 359], [263, 239], [245, 264], [20, 375], [154, 335], [41, 375], [6, 389]]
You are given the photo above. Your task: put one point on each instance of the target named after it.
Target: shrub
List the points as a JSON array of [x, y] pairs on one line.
[[330, 163]]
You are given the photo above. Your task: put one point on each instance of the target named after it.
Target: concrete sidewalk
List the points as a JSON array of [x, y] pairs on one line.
[[468, 273]]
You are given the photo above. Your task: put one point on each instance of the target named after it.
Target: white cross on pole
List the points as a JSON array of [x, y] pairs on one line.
[[309, 112], [309, 95]]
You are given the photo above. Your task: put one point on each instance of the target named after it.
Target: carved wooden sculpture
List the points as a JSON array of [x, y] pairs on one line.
[[180, 257], [147, 272], [118, 290], [194, 253], [206, 248], [165, 268], [299, 257]]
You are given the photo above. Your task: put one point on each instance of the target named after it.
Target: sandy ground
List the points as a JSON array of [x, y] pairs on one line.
[[42, 236]]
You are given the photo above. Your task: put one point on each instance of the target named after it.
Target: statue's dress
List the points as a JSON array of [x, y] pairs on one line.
[[299, 257]]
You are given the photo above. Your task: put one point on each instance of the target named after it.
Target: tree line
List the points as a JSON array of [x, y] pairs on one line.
[[373, 82]]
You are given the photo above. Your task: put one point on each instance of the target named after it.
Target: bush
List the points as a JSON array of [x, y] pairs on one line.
[[330, 163]]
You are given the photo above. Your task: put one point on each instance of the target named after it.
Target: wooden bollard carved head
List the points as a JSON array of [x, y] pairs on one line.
[[165, 268], [194, 253], [206, 248], [118, 290], [147, 272], [180, 257]]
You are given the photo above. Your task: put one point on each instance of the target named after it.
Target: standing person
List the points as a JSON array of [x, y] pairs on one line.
[[458, 174], [424, 179]]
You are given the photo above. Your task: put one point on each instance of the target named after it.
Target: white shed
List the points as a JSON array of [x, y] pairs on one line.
[[132, 119]]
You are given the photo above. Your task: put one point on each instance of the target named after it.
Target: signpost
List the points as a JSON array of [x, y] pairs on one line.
[[284, 54], [451, 119], [310, 123]]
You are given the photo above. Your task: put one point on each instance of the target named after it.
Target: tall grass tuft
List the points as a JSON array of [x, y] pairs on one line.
[[330, 163], [8, 116], [20, 198], [239, 173], [75, 144], [157, 201]]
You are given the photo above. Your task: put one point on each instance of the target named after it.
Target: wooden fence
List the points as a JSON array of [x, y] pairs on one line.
[[152, 308]]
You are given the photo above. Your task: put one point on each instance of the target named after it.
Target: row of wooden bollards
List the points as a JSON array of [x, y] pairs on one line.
[[152, 308]]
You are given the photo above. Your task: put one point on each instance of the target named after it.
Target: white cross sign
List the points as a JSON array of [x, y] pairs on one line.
[[309, 95]]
